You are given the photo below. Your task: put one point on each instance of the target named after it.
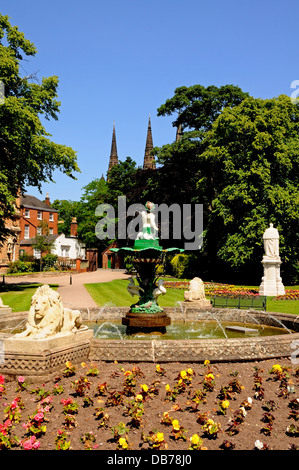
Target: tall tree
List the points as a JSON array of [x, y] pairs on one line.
[[67, 210], [198, 106], [95, 193], [238, 156], [249, 177], [27, 155]]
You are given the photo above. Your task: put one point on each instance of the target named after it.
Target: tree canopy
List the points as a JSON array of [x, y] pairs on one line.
[[27, 155], [241, 162]]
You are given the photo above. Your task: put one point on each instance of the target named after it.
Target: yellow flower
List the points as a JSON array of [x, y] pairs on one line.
[[123, 442], [190, 371], [206, 362], [139, 397], [144, 387], [128, 372], [175, 425], [183, 374], [209, 376], [167, 388], [195, 439], [224, 404], [83, 364], [68, 364], [276, 368], [158, 368], [159, 437]]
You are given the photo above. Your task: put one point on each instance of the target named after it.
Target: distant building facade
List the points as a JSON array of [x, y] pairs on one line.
[[37, 218]]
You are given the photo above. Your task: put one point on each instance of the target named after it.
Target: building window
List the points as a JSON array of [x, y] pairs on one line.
[[51, 217], [26, 232], [51, 231], [65, 251], [36, 253], [39, 215], [27, 213], [39, 231]]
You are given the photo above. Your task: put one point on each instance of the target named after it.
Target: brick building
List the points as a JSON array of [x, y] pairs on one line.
[[9, 250], [37, 218]]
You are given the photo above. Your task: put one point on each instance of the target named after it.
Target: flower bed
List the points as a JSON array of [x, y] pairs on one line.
[[230, 290], [290, 294], [212, 289], [110, 406]]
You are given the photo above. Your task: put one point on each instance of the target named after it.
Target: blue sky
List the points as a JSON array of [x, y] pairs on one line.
[[120, 60]]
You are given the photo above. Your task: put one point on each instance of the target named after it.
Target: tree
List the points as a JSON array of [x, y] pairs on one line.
[[27, 155], [249, 177], [43, 241], [121, 179], [67, 210], [198, 106], [238, 156], [95, 193]]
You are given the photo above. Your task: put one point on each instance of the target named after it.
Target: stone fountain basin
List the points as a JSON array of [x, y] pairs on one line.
[[189, 350]]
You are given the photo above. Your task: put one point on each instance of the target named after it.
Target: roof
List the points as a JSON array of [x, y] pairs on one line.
[[32, 241], [31, 202]]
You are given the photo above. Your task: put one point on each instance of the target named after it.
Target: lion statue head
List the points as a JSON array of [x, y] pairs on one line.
[[46, 316]]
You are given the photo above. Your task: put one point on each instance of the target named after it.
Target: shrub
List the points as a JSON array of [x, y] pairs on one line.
[[49, 261], [20, 267], [184, 265]]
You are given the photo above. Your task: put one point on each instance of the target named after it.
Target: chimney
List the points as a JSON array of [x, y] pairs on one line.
[[47, 200], [74, 227]]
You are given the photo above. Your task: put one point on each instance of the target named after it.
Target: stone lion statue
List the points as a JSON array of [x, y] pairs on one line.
[[2, 304], [48, 317], [196, 290]]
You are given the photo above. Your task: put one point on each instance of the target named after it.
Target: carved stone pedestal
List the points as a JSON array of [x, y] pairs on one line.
[[271, 284], [38, 358]]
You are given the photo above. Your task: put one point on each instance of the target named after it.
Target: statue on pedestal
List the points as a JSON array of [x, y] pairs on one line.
[[271, 242], [271, 281]]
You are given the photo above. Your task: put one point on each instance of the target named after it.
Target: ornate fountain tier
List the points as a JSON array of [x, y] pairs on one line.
[[147, 254]]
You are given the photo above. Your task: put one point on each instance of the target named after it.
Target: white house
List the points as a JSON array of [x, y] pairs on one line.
[[68, 247]]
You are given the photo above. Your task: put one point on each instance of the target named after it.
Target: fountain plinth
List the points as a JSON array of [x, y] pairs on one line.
[[146, 315]]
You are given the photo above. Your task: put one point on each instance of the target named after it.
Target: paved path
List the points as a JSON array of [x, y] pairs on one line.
[[73, 293]]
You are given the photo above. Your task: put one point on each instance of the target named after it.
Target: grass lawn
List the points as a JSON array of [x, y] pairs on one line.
[[115, 292], [18, 297]]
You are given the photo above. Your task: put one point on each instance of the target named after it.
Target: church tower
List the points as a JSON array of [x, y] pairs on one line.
[[113, 154], [149, 160]]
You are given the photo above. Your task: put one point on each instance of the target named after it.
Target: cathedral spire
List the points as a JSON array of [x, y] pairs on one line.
[[149, 160], [113, 154]]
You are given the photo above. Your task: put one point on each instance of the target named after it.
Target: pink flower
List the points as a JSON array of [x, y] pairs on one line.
[[2, 379], [32, 443], [21, 379], [14, 404], [66, 401], [7, 423], [39, 417], [27, 445]]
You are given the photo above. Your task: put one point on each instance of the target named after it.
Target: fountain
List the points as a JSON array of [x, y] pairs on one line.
[[146, 332], [147, 254]]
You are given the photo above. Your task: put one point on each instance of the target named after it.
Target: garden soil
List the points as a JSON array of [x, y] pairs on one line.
[[273, 398]]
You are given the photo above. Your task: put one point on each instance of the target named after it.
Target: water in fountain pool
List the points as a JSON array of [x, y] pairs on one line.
[[207, 329]]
